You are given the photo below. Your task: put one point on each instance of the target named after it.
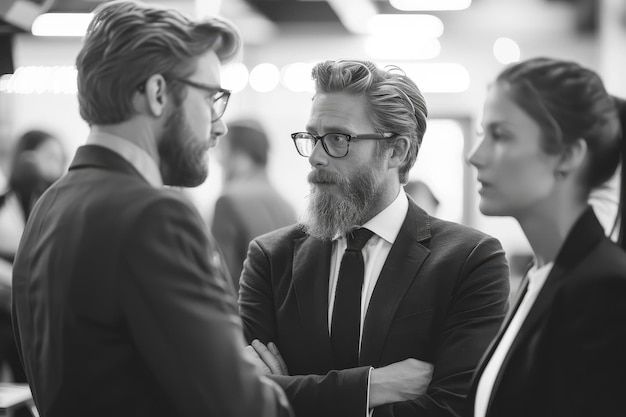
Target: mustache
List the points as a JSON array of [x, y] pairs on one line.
[[317, 176]]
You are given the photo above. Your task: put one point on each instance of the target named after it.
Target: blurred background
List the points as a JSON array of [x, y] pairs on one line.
[[451, 48]]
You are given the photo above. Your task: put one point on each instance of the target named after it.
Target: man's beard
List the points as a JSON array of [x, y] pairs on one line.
[[331, 214], [182, 154]]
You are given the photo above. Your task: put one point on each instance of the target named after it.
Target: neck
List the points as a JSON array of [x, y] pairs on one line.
[[546, 228], [388, 194], [141, 135]]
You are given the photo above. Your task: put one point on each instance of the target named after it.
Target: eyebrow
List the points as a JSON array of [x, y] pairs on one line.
[[331, 129], [497, 123]]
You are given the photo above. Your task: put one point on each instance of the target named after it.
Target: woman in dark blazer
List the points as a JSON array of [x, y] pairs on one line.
[[551, 134]]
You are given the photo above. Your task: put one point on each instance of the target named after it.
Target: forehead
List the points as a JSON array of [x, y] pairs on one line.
[[208, 69], [501, 108], [339, 112]]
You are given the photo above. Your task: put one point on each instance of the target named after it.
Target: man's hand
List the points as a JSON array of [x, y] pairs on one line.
[[267, 358], [400, 381]]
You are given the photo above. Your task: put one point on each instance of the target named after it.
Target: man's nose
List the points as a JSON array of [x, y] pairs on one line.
[[318, 157]]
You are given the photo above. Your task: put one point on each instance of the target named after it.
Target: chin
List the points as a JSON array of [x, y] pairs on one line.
[[490, 209]]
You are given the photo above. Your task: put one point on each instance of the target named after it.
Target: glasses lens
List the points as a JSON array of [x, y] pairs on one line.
[[304, 143], [336, 144], [219, 105]]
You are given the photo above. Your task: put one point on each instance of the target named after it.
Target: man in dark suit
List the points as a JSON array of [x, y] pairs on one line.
[[121, 307], [432, 295], [249, 205]]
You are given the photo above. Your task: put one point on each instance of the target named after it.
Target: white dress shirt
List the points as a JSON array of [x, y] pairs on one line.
[[137, 157], [536, 279], [386, 226]]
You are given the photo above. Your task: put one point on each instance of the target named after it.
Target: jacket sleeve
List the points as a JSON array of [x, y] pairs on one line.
[[183, 319], [226, 229], [477, 308], [336, 394]]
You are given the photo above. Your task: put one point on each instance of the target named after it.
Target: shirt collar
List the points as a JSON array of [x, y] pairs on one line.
[[388, 222], [137, 157], [537, 276]]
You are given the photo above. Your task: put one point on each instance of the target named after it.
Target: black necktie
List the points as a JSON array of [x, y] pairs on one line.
[[346, 321]]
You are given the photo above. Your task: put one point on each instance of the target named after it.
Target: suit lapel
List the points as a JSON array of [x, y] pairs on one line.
[[585, 234], [311, 271], [90, 156], [399, 271], [523, 287]]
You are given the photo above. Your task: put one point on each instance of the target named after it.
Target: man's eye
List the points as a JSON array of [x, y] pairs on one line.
[[336, 138]]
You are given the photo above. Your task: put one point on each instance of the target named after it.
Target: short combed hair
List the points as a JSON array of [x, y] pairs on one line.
[[569, 102], [127, 42], [394, 102], [248, 136]]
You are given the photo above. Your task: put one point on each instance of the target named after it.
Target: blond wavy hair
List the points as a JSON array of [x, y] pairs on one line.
[[127, 42]]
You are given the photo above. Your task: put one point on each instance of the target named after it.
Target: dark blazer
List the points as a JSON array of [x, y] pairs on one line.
[[569, 358], [440, 298], [119, 307], [247, 209]]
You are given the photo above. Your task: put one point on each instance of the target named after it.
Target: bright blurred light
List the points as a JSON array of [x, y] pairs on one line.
[[5, 81], [438, 77], [391, 47], [354, 13], [235, 76], [506, 50], [406, 25], [264, 77], [297, 77], [416, 5], [40, 80], [61, 24]]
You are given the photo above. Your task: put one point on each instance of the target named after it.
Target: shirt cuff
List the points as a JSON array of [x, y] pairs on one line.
[[368, 411]]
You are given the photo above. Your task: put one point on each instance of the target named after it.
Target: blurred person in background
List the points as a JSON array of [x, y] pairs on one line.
[[423, 195], [249, 205], [551, 134], [38, 159], [401, 332], [121, 305]]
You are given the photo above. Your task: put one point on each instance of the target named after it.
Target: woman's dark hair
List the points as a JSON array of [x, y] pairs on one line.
[[570, 102], [25, 179]]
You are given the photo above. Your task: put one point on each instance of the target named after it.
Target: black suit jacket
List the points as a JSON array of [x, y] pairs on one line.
[[440, 298], [569, 357], [119, 307], [248, 208]]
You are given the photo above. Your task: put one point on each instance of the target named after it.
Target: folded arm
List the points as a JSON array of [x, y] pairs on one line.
[[476, 310]]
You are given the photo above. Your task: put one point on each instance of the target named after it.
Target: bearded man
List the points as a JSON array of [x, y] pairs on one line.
[[394, 325], [120, 305]]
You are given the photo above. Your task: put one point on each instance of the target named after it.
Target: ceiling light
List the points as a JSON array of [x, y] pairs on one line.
[[40, 80], [402, 25], [61, 24], [234, 76], [264, 77], [297, 77], [421, 5], [404, 48], [437, 77], [506, 50], [353, 14]]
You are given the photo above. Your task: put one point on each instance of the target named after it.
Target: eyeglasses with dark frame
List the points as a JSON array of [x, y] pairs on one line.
[[220, 96], [336, 145]]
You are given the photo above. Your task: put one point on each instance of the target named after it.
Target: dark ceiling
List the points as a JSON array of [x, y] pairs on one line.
[[291, 11]]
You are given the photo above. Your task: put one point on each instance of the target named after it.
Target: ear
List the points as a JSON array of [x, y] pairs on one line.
[[572, 158], [399, 151], [153, 98]]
